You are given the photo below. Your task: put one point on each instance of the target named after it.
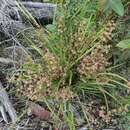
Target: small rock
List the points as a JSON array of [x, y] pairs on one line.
[[38, 111]]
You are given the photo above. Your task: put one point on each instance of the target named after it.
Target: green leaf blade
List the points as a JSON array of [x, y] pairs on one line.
[[117, 6], [125, 44]]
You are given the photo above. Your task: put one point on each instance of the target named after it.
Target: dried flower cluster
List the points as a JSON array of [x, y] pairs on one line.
[[91, 65], [107, 33], [54, 70], [97, 61], [39, 85], [79, 41], [99, 114], [76, 37], [64, 94], [36, 87], [61, 25]]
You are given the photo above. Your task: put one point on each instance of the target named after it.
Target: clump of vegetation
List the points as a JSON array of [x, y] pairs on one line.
[[75, 64]]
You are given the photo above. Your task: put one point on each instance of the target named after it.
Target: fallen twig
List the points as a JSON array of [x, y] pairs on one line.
[[7, 104]]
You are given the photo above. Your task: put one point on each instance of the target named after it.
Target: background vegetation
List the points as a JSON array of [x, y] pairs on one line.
[[78, 66]]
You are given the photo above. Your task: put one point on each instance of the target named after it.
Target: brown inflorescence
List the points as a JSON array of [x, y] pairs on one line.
[[76, 37], [64, 94], [98, 60], [41, 87], [79, 40], [37, 87], [61, 25], [107, 32], [52, 65], [91, 65]]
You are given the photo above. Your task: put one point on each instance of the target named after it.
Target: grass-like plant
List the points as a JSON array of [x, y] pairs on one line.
[[73, 61]]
